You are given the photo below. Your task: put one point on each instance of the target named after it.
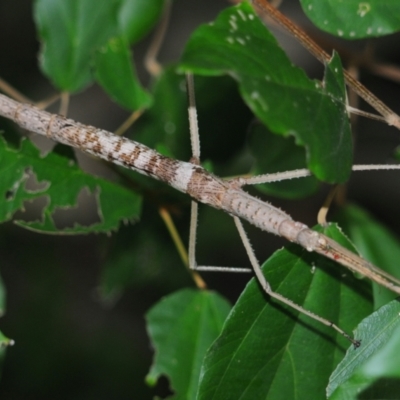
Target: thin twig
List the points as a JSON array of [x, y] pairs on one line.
[[150, 60], [166, 217], [64, 104], [14, 93], [323, 211], [263, 8], [129, 122]]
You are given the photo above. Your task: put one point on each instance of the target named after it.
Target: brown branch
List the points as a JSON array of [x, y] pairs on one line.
[[264, 9]]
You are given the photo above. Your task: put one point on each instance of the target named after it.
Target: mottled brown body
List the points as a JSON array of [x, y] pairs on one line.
[[189, 178]]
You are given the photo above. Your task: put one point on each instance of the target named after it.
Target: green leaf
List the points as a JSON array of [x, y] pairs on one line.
[[115, 72], [62, 183], [376, 357], [280, 94], [182, 326], [375, 243], [275, 153], [4, 343], [354, 19], [267, 350], [137, 17], [70, 31]]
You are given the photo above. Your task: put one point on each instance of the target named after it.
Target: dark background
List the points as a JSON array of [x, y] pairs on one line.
[[68, 344]]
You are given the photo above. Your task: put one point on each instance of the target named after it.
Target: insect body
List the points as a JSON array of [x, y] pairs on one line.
[[189, 178]]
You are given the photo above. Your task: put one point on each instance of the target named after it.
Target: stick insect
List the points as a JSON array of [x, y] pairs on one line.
[[203, 187]]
